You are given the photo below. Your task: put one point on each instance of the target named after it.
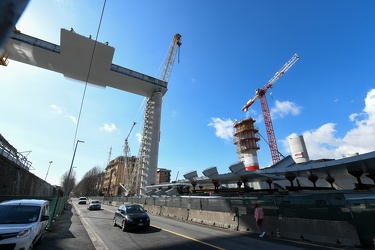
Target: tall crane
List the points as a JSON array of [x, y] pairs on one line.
[[175, 45], [147, 160], [126, 144], [260, 94], [128, 179]]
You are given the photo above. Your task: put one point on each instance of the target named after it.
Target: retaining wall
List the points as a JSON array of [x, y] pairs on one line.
[[15, 180]]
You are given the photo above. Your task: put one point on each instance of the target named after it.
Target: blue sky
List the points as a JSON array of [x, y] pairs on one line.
[[228, 50]]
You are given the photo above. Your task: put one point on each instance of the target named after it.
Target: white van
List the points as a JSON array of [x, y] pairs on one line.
[[23, 222]]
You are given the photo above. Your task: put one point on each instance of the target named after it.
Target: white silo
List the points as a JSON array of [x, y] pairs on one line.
[[299, 150]]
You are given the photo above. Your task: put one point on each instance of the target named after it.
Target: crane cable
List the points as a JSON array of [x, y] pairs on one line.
[[142, 107], [88, 74], [269, 145]]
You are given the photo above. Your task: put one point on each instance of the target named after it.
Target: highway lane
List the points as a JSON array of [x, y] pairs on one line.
[[166, 233]]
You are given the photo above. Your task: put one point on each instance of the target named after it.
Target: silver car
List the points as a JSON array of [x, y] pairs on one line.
[[82, 200], [94, 204], [22, 223]]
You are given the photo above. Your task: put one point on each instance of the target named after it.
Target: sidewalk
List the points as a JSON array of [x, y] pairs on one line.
[[66, 233]]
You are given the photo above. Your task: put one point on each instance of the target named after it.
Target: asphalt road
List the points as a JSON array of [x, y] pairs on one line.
[[166, 233], [67, 233]]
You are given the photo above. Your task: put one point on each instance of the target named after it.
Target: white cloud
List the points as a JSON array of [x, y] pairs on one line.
[[73, 119], [285, 108], [108, 127], [322, 143], [224, 128], [353, 116], [56, 109], [139, 137]]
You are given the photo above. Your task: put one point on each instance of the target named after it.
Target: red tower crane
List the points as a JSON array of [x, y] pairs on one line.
[[260, 94]]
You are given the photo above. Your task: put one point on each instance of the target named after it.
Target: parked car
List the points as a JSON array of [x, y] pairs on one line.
[[22, 223], [82, 200], [130, 216], [94, 204]]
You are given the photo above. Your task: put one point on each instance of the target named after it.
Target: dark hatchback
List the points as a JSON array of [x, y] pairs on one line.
[[131, 216]]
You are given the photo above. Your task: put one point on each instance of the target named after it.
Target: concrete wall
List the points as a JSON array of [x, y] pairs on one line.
[[15, 180]]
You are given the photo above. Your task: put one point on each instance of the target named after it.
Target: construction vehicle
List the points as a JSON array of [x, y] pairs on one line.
[[261, 94]]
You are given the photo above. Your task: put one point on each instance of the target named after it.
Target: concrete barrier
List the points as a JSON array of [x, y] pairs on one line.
[[217, 219], [174, 212], [151, 209], [323, 231]]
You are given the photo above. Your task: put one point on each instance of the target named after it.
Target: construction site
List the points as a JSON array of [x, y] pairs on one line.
[[337, 193]]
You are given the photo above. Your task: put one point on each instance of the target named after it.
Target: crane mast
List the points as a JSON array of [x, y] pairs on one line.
[[128, 179], [260, 94], [175, 45], [147, 159]]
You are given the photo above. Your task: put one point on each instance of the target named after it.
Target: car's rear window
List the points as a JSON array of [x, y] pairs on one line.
[[16, 214], [134, 209]]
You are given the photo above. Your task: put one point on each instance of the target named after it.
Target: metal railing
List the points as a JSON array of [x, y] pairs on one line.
[[10, 153], [35, 42]]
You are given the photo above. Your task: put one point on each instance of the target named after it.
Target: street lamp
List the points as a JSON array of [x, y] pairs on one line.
[[48, 169], [70, 170]]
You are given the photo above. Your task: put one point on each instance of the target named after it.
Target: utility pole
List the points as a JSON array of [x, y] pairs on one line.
[[70, 170]]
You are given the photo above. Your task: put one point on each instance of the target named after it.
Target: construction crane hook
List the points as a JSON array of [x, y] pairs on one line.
[[179, 43]]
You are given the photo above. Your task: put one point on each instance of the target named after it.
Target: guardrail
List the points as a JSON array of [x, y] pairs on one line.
[[9, 152]]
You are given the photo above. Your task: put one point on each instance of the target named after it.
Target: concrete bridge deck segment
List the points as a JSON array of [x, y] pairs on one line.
[[83, 59]]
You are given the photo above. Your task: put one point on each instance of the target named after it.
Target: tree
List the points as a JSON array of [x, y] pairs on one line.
[[90, 185], [64, 180]]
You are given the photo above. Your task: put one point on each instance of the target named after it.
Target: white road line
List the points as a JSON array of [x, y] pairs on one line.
[[96, 240]]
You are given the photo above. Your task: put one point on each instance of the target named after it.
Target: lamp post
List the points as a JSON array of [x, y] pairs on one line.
[[70, 170], [48, 169]]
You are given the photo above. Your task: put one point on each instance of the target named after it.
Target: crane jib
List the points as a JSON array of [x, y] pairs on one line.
[[269, 84]]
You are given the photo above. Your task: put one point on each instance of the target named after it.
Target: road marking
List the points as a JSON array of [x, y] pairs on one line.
[[190, 238], [96, 240]]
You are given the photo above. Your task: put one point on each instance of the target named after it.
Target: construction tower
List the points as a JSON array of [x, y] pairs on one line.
[[246, 139]]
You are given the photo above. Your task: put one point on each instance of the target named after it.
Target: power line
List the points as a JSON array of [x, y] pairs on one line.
[[88, 73]]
